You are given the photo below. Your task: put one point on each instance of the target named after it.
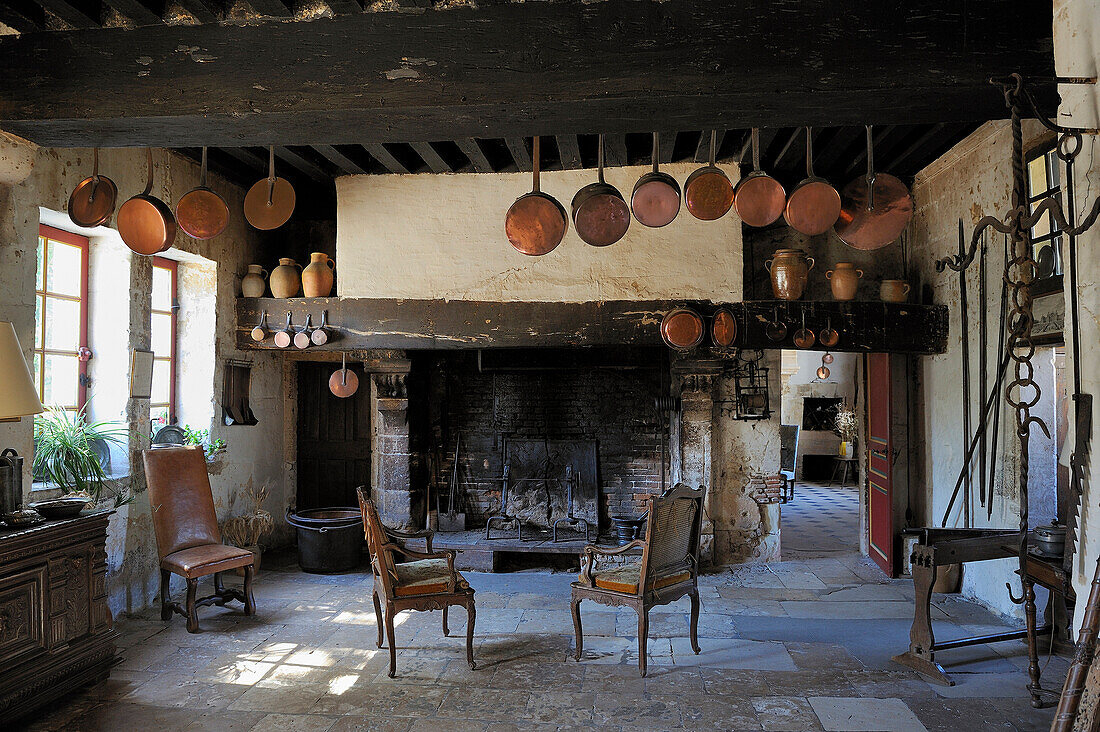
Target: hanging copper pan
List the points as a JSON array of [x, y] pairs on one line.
[[93, 200], [682, 328], [723, 328], [202, 213], [600, 213], [758, 199], [813, 205], [708, 193], [343, 382], [655, 200], [145, 222], [876, 207], [536, 222], [270, 201]]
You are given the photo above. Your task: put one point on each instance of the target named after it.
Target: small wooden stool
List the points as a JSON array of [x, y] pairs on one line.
[[843, 465]]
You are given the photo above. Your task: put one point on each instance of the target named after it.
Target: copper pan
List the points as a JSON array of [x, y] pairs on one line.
[[723, 328], [145, 222], [708, 193], [600, 213], [202, 213], [536, 222], [655, 200], [93, 200], [876, 207], [758, 199], [682, 329], [343, 382], [804, 337], [269, 203], [814, 204]]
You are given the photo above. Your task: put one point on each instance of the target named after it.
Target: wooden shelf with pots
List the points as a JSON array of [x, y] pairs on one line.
[[367, 323]]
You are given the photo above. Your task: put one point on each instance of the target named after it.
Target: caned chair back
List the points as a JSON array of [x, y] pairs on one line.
[[180, 498], [672, 533], [381, 561]]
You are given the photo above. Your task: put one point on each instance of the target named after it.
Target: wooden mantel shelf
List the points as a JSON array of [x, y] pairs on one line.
[[365, 324]]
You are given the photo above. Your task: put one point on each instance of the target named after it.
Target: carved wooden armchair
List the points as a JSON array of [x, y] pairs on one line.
[[429, 582], [668, 570]]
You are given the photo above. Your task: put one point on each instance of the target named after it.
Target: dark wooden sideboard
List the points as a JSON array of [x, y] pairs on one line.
[[55, 626]]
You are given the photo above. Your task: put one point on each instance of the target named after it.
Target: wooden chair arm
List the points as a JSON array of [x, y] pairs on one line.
[[448, 554], [425, 534], [588, 560]]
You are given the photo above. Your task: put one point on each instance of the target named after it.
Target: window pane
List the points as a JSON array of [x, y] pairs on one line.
[[1053, 169], [62, 324], [61, 375], [161, 382], [41, 260], [37, 366], [162, 289], [159, 415], [1041, 228], [38, 322], [63, 270], [161, 334], [1037, 175]]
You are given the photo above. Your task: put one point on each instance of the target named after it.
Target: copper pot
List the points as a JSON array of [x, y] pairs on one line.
[[758, 199], [876, 207], [536, 222], [813, 205], [655, 200], [202, 213], [708, 193], [790, 269], [93, 200], [145, 222], [682, 329], [600, 213], [270, 202]]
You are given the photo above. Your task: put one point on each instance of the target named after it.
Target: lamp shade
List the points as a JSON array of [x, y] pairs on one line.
[[18, 397]]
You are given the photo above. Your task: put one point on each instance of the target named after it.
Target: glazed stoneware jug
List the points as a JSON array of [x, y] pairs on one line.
[[789, 268], [254, 283], [894, 290], [317, 276], [844, 280], [285, 280]]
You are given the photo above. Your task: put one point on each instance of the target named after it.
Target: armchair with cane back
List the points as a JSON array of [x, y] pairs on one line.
[[668, 570], [188, 540], [429, 582]]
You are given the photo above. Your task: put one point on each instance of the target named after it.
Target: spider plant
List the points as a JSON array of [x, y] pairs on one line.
[[65, 456]]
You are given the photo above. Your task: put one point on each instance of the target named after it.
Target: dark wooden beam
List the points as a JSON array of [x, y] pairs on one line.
[[614, 150], [21, 19], [302, 165], [843, 144], [570, 152], [385, 157], [274, 8], [471, 148], [204, 11], [70, 14], [343, 7], [933, 132], [789, 146], [859, 159], [339, 159], [135, 11], [249, 159], [485, 72], [517, 147], [702, 150], [668, 147], [431, 158]]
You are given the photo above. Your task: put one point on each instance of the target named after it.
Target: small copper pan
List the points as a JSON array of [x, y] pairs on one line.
[[804, 337], [813, 205], [93, 200], [536, 222], [145, 222], [708, 193], [655, 200], [343, 382], [269, 203], [202, 213], [876, 207], [723, 328], [682, 329], [600, 213], [758, 199]]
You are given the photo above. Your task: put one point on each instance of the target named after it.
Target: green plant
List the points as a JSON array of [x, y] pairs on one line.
[[213, 448], [64, 453]]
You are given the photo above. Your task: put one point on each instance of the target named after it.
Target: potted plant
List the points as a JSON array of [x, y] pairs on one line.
[[214, 449], [246, 530], [846, 427], [66, 454]]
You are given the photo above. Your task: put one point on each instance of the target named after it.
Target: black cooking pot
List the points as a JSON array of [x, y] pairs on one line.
[[329, 539]]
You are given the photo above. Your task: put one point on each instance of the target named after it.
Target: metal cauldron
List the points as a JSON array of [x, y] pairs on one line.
[[329, 539]]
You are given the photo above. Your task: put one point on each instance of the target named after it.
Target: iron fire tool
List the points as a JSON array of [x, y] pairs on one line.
[[965, 334], [571, 480], [983, 362]]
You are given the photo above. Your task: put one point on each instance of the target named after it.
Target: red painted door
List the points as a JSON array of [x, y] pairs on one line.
[[879, 462]]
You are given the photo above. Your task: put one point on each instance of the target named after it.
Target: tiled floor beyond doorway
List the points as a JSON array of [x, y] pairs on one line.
[[797, 645], [821, 520]]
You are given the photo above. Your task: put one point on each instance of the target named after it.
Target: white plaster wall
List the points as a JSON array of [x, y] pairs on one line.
[[804, 383], [439, 236]]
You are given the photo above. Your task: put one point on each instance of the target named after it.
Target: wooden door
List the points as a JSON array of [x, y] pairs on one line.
[[881, 537], [334, 439]]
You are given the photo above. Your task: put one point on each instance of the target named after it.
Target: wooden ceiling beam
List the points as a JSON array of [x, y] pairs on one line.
[[614, 150], [702, 150], [27, 19], [339, 159], [385, 158], [273, 8], [344, 7], [517, 147], [204, 11], [69, 14], [302, 165], [569, 150], [471, 148], [135, 11], [431, 158]]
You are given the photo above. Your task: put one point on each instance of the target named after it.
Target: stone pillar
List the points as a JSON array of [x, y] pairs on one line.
[[392, 490], [690, 440]]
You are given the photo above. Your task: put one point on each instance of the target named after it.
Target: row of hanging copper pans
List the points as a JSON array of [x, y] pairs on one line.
[[683, 328], [869, 213], [147, 224]]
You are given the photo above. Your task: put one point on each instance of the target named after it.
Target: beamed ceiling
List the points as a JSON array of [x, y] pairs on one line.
[[411, 86]]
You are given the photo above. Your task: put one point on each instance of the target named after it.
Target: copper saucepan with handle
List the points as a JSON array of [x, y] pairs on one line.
[[93, 200], [814, 204], [759, 199], [536, 223], [343, 383], [708, 192], [145, 222], [655, 200], [202, 213], [876, 207], [270, 201], [600, 213]]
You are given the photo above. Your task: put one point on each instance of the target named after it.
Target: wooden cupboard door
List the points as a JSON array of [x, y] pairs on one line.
[[880, 525], [22, 613]]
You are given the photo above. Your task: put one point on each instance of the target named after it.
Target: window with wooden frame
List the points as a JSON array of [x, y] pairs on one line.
[[162, 327], [1044, 181], [61, 318]]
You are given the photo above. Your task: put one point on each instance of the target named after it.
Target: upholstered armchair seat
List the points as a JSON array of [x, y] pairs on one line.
[[625, 578], [426, 577], [199, 561]]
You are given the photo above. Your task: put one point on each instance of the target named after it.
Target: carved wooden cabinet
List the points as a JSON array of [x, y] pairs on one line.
[[55, 627]]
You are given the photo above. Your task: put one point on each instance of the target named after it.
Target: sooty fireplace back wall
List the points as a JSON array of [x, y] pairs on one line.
[[573, 396]]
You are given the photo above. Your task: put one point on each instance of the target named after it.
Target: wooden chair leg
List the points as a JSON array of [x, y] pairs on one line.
[[695, 621], [218, 589], [471, 614], [575, 606], [165, 608], [192, 613], [643, 638], [446, 630], [389, 637], [249, 599], [378, 616]]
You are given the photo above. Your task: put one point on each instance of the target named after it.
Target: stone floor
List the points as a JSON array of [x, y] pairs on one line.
[[796, 645], [821, 520]]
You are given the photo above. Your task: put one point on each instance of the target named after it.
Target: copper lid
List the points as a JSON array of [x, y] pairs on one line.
[[343, 382], [269, 203], [872, 228], [813, 207], [93, 200], [682, 328], [723, 328]]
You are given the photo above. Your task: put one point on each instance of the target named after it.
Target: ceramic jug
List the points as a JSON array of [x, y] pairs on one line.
[[789, 268], [254, 283], [844, 280], [285, 280], [894, 291], [317, 276]]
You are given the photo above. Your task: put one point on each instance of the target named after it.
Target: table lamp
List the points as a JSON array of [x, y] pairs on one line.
[[18, 398]]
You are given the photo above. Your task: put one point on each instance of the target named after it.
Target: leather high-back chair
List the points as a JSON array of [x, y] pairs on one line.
[[189, 542]]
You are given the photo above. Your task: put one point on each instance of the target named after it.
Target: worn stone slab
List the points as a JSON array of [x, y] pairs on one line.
[[865, 715]]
